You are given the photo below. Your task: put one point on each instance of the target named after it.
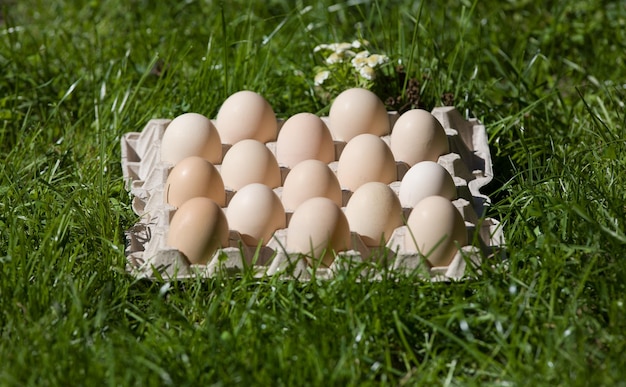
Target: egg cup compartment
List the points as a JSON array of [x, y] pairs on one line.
[[469, 163]]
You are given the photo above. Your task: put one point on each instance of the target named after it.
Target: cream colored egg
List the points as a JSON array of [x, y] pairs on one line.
[[255, 212], [247, 162], [246, 115], [426, 178], [435, 229], [366, 158], [309, 179], [191, 177], [374, 212], [357, 111], [198, 229], [318, 229], [418, 136], [302, 137], [191, 134]]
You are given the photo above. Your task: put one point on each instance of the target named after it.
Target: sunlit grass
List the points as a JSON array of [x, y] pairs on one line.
[[548, 82]]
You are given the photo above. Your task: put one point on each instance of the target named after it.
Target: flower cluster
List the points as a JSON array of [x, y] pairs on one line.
[[342, 60]]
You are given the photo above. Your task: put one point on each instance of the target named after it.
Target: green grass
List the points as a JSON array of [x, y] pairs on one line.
[[547, 80]]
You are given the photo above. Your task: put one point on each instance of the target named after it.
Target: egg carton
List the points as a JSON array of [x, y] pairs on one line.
[[469, 163]]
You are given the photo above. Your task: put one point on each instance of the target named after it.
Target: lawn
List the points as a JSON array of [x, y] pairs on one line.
[[548, 81]]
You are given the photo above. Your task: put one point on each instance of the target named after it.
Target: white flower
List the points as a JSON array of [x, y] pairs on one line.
[[361, 59], [367, 73], [358, 62], [341, 47], [334, 58], [349, 53], [359, 43], [321, 77], [375, 60], [320, 47]]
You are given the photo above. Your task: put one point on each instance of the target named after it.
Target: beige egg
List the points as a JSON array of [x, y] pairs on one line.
[[247, 162], [374, 212], [365, 158], [309, 179], [357, 111], [256, 212], [302, 137], [192, 177], [418, 136], [191, 134], [426, 178], [198, 229], [435, 228], [318, 229], [246, 115]]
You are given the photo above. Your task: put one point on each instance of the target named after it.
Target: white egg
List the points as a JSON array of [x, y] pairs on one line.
[[426, 178]]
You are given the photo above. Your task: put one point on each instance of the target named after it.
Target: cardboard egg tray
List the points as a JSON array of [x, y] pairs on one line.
[[469, 163]]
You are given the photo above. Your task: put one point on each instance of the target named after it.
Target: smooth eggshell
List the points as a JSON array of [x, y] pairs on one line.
[[418, 136], [191, 134], [247, 162], [374, 212], [357, 111], [255, 212], [309, 179], [435, 228], [366, 158], [191, 177], [246, 115], [318, 228], [426, 178], [302, 137], [198, 228]]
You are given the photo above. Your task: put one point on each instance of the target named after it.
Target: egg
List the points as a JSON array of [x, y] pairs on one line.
[[435, 228], [191, 177], [309, 179], [255, 212], [374, 212], [246, 115], [418, 136], [247, 162], [198, 229], [304, 136], [357, 111], [191, 134], [318, 229], [366, 158], [426, 178]]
